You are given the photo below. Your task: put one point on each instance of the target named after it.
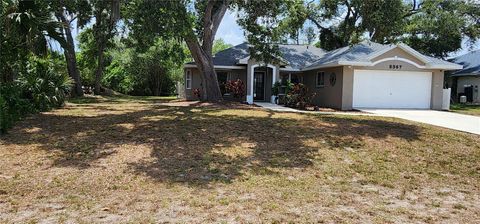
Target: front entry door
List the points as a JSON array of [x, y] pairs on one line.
[[259, 86]]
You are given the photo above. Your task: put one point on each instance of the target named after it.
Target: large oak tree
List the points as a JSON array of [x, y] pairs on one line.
[[197, 22], [434, 27]]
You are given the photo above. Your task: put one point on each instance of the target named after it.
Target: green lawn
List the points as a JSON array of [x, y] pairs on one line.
[[150, 160], [466, 109]]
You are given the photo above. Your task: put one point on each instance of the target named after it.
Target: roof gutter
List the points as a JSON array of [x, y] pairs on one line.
[[216, 66]]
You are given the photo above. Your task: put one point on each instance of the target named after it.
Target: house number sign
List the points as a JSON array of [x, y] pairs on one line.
[[396, 67]]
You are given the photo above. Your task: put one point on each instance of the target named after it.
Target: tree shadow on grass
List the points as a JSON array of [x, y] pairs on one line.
[[198, 145]]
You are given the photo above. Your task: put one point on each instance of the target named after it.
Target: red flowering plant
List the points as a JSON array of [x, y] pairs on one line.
[[236, 88], [299, 96], [196, 93]]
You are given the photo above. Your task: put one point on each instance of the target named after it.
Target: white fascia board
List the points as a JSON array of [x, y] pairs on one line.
[[445, 67], [333, 64], [355, 63], [290, 69], [217, 66]]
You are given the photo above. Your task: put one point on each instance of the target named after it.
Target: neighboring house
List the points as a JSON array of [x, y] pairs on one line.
[[466, 82], [365, 75]]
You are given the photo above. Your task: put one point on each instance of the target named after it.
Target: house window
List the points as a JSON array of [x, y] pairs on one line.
[[296, 78], [320, 80], [291, 77], [188, 79]]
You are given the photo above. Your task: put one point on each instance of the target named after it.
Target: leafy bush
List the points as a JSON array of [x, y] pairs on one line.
[[39, 87], [281, 88], [13, 105], [236, 88], [117, 78], [299, 96], [43, 86]]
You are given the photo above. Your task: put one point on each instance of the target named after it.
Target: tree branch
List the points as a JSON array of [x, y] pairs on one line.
[[309, 17], [414, 10]]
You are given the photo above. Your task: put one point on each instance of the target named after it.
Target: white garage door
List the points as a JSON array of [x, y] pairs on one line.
[[391, 89]]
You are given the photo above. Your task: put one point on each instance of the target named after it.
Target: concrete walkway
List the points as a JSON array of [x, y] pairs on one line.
[[460, 122], [279, 108]]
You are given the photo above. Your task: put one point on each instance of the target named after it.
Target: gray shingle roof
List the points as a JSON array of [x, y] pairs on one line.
[[304, 57], [470, 62], [230, 56], [364, 51], [297, 56], [356, 53], [300, 56]]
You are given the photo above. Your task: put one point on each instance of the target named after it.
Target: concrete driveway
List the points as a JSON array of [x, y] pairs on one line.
[[466, 123]]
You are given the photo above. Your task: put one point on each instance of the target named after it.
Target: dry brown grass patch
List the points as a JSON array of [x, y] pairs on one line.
[[149, 159]]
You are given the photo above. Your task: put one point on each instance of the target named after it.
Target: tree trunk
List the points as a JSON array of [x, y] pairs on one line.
[[70, 57], [156, 81], [99, 70], [202, 54], [212, 89], [205, 65], [102, 37]]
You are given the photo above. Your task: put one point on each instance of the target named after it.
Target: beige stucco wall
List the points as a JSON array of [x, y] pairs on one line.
[[197, 80], [347, 88], [196, 83], [469, 80], [437, 89], [386, 66], [398, 52], [328, 95]]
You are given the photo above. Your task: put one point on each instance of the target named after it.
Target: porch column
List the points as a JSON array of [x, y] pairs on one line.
[[250, 72], [274, 79]]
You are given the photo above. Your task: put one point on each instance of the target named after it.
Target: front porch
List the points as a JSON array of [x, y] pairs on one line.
[[260, 79]]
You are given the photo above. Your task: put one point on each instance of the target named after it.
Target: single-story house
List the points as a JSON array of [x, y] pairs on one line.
[[365, 75], [465, 82]]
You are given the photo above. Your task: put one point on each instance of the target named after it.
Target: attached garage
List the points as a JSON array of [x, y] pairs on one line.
[[392, 89]]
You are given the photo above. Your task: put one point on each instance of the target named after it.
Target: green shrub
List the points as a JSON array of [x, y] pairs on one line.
[[43, 86], [13, 105], [39, 87]]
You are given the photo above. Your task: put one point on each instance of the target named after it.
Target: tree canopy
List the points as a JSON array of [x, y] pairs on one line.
[[434, 27]]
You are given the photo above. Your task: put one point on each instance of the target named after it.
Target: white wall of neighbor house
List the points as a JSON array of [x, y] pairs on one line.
[[469, 80]]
